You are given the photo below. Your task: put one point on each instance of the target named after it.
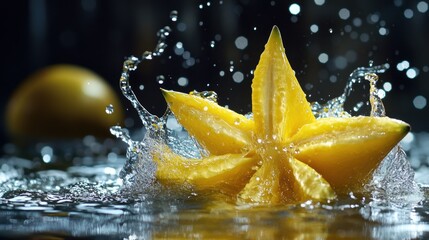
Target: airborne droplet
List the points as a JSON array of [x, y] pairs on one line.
[[109, 109], [160, 79], [173, 15]]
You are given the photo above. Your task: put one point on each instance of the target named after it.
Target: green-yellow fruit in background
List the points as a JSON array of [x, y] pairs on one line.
[[62, 102]]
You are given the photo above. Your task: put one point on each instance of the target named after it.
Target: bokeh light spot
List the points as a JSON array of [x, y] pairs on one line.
[[387, 86], [403, 65], [419, 102], [294, 9], [238, 77], [323, 57], [182, 81], [314, 28], [344, 13], [340, 62], [422, 6], [241, 42], [412, 73], [319, 2], [408, 13]]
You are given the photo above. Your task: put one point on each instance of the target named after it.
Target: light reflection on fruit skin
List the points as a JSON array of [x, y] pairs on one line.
[[62, 102]]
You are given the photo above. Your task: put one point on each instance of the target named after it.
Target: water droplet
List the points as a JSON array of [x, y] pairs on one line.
[[47, 153], [358, 106], [212, 44], [237, 121], [131, 63], [109, 109], [160, 79], [209, 95], [147, 55], [173, 15], [330, 30], [206, 108]]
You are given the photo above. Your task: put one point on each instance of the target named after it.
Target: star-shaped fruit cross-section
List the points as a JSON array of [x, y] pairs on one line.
[[281, 155]]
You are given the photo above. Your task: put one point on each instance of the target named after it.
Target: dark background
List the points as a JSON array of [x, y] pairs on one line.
[[100, 34]]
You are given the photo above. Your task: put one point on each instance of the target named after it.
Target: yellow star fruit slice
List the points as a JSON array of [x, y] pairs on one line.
[[282, 179], [278, 103], [228, 173], [345, 151], [217, 129], [295, 156]]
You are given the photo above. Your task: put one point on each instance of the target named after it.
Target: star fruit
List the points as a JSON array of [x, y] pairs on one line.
[[281, 155]]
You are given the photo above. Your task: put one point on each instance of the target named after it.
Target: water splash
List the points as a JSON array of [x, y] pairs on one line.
[[377, 107], [139, 170], [149, 121], [335, 106], [393, 181]]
